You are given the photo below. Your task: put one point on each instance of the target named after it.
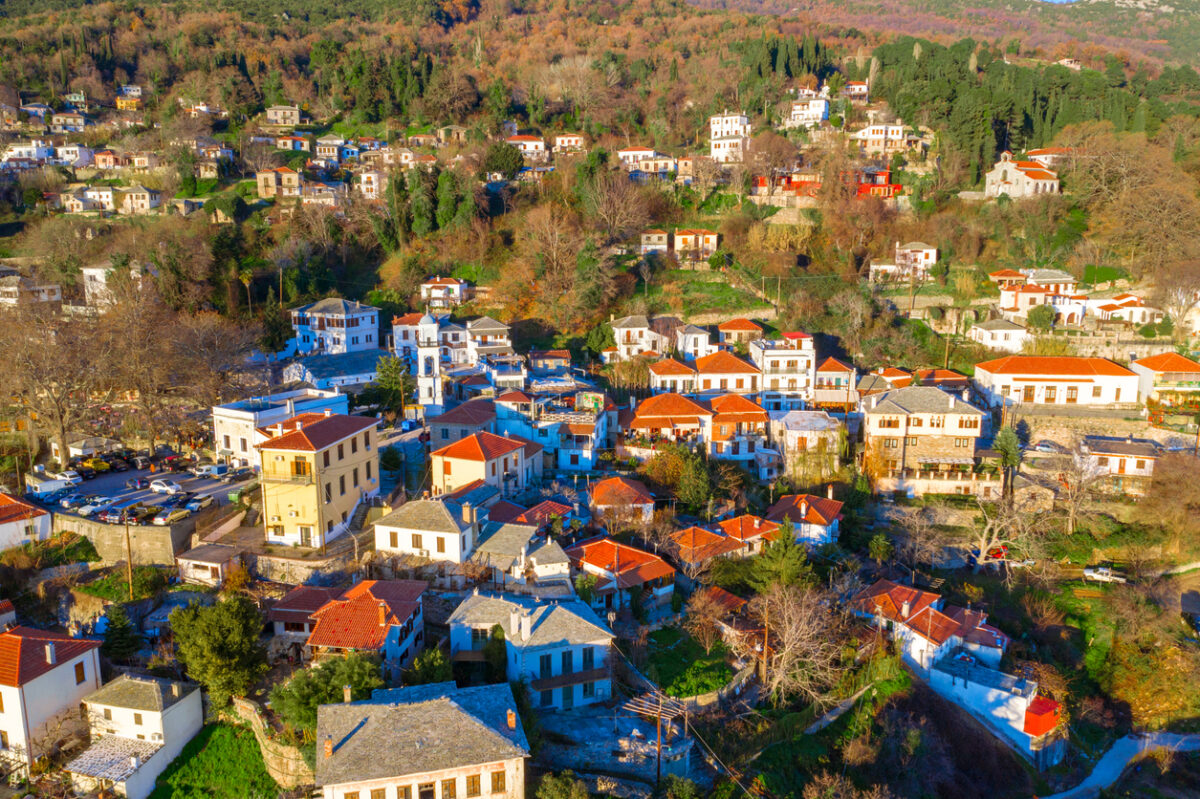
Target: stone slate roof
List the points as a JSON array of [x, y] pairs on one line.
[[485, 323], [427, 515], [552, 623], [500, 544], [1131, 447], [630, 321], [921, 399], [336, 305], [111, 757], [417, 730], [211, 553], [140, 693], [341, 364], [999, 324]]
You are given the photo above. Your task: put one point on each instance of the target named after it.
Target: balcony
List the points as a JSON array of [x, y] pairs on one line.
[[286, 477], [572, 678]]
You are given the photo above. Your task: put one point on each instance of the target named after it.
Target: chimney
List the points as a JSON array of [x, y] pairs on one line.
[[277, 429], [526, 626], [953, 400], [466, 513], [347, 694], [804, 507], [514, 622], [383, 609], [328, 747], [512, 719], [134, 762], [757, 522], [328, 413], [51, 654], [829, 491], [176, 690], [904, 610]]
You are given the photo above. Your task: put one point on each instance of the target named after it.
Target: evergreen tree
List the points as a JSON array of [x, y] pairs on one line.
[[782, 561], [420, 204], [447, 199], [694, 487], [297, 700], [503, 158], [276, 329], [121, 639], [495, 655], [429, 667], [219, 646]]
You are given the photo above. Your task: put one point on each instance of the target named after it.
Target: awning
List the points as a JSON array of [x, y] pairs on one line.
[[947, 461]]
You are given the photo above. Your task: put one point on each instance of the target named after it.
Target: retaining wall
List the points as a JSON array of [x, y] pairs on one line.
[[284, 763], [151, 544]]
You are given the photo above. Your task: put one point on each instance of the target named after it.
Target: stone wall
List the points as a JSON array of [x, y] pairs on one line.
[[151, 544], [284, 763]]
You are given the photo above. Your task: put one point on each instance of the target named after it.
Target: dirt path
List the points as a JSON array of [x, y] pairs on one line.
[[1114, 762]]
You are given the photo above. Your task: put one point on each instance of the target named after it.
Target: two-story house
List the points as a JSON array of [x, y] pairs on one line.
[[669, 417], [315, 469], [435, 529], [1059, 380], [728, 137], [621, 498], [334, 326], [815, 520], [655, 241], [43, 678], [281, 181], [434, 741], [509, 465], [692, 245], [788, 367], [486, 337], [1126, 464], [618, 568], [445, 292], [692, 342], [292, 620], [561, 649], [807, 112], [532, 147], [1000, 334], [138, 726], [739, 331], [671, 376], [738, 431], [725, 373], [381, 617], [640, 335], [1167, 378], [283, 115], [920, 439]]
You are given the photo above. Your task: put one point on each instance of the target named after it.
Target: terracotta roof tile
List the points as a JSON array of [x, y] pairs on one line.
[[805, 508], [23, 653], [15, 510], [631, 565], [313, 432], [620, 491], [671, 368], [740, 324], [1052, 366], [482, 447], [747, 527], [1169, 362], [478, 412], [696, 545], [361, 617], [724, 363], [670, 405]]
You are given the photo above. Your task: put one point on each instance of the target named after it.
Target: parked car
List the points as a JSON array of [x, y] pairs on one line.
[[119, 465], [140, 462], [71, 477], [72, 501], [1049, 448], [96, 506], [115, 513], [142, 515], [164, 486], [199, 503], [99, 464], [237, 475], [210, 470], [137, 483], [86, 472], [1103, 574], [168, 516]]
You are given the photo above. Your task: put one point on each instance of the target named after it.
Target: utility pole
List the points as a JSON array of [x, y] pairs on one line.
[[128, 556], [658, 765], [766, 637]]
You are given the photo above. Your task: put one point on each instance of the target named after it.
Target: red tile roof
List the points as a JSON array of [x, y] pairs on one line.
[[478, 412], [734, 409], [834, 365], [887, 599], [1007, 273], [805, 508], [724, 363], [620, 491], [482, 446], [731, 602], [1169, 362], [933, 625], [1053, 366], [444, 281], [661, 405], [631, 566], [23, 653], [542, 513], [747, 527], [740, 324], [1042, 716], [696, 545], [16, 510], [313, 432], [504, 511], [514, 396], [361, 617], [671, 368], [301, 602], [408, 320]]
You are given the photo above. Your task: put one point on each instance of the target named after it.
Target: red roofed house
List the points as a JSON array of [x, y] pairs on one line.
[[1019, 179], [621, 498], [383, 617], [749, 531], [473, 416], [1006, 278], [445, 292], [291, 617], [669, 417], [738, 433], [695, 547], [1064, 380], [508, 464], [725, 373], [1168, 378], [43, 678], [788, 366], [739, 331], [672, 375], [21, 522], [315, 470], [532, 147], [694, 245], [814, 519], [619, 568]]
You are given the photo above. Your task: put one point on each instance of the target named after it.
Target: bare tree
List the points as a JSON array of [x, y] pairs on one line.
[[1006, 530], [771, 154], [259, 156], [922, 541], [1177, 291], [703, 616], [803, 653], [1077, 477], [617, 205]]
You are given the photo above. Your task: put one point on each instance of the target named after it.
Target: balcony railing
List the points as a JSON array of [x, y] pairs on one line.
[[286, 477], [571, 678]]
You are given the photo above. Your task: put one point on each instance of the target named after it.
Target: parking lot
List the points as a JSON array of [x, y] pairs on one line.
[[111, 484]]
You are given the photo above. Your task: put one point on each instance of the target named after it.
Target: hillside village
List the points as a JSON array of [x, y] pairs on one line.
[[491, 450]]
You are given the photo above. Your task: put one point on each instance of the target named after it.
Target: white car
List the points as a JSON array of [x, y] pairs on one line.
[[70, 477], [94, 507], [199, 503], [1102, 574], [165, 487], [170, 516]]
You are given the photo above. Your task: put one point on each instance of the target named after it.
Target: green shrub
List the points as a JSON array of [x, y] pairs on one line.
[[222, 762]]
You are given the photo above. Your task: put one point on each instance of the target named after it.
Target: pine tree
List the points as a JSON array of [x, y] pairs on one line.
[[782, 562], [420, 204], [447, 199], [276, 329], [121, 639], [694, 487]]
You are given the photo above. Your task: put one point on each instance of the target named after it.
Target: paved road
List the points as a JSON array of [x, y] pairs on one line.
[[1112, 765], [112, 484]]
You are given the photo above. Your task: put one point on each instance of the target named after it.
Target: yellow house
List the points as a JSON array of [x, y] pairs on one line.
[[508, 464], [316, 468]]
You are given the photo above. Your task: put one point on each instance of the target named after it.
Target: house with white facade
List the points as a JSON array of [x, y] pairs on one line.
[[620, 567], [655, 241], [561, 649], [445, 292], [434, 741], [378, 617], [807, 112], [436, 529], [728, 137], [237, 425], [1126, 464], [880, 139], [22, 522], [788, 369], [1000, 334], [630, 157], [639, 335], [815, 520], [21, 290], [809, 442], [138, 726], [1062, 380], [1019, 179], [335, 326], [692, 342], [725, 373], [569, 142], [532, 147], [693, 245], [1167, 378], [45, 677]]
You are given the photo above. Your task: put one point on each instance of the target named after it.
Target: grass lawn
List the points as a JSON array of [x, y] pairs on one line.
[[700, 293], [147, 581], [680, 666], [222, 762], [58, 551]]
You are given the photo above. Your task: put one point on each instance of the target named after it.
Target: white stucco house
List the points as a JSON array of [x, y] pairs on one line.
[[1060, 380]]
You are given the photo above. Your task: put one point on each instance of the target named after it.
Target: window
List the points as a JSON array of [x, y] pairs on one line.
[[545, 666], [497, 782], [242, 442], [1141, 464], [404, 792], [1095, 392], [379, 793], [227, 443], [493, 468], [445, 434], [353, 445], [449, 789], [354, 477], [589, 658], [342, 485], [350, 795], [108, 714], [368, 470], [325, 457], [416, 541], [137, 719], [891, 443], [3, 740], [1051, 394], [911, 441], [546, 698], [916, 421], [80, 673], [568, 662], [328, 493], [295, 627], [589, 690], [889, 423], [367, 440], [473, 785], [341, 451], [441, 544]]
